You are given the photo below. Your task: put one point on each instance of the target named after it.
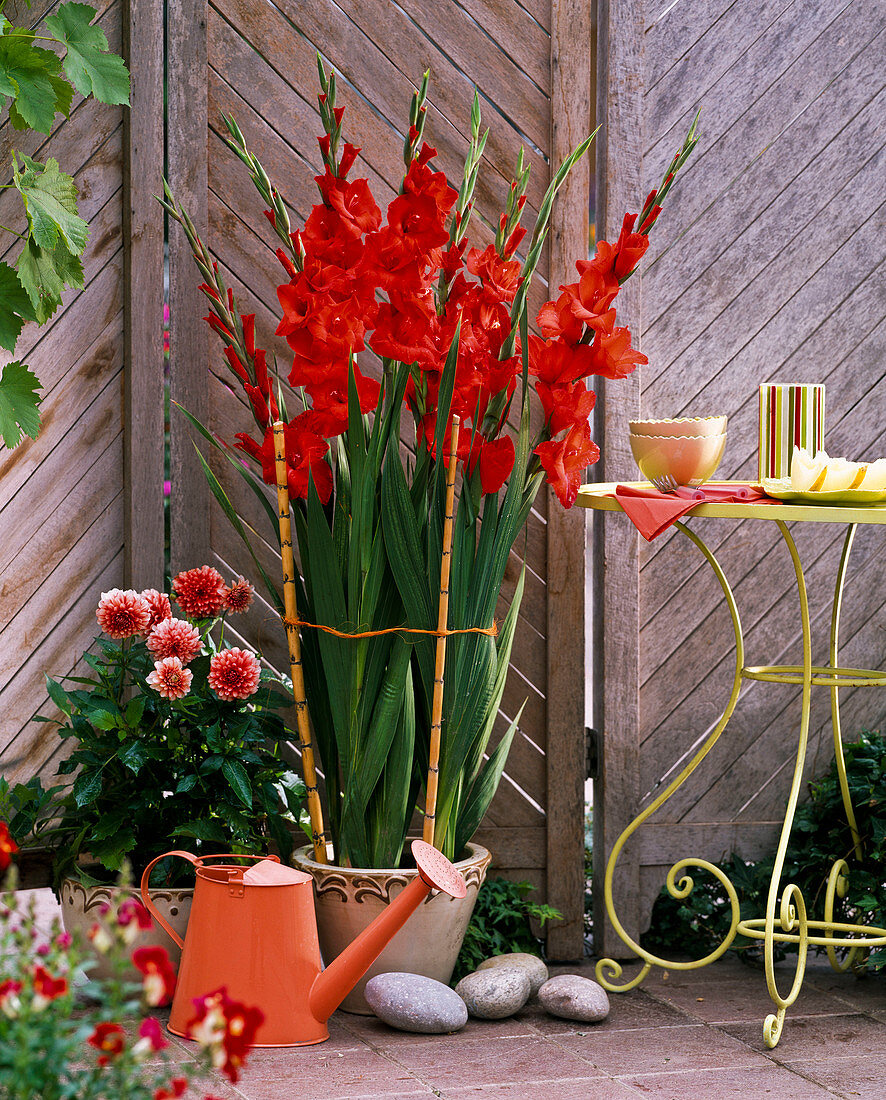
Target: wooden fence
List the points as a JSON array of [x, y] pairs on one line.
[[766, 266], [65, 504]]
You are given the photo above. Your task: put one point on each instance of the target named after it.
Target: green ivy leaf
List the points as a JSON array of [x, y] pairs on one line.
[[15, 307], [29, 76], [46, 273], [51, 203], [236, 775], [89, 64], [18, 404]]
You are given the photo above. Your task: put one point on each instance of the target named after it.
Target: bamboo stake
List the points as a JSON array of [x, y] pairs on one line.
[[442, 620], [315, 810]]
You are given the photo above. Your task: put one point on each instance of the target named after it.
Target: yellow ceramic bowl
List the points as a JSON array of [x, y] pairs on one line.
[[683, 425], [689, 459]]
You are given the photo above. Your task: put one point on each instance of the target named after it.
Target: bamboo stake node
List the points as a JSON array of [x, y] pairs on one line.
[[440, 665], [306, 744]]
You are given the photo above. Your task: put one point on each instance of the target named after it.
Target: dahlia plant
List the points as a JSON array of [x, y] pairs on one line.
[[441, 331], [175, 735], [58, 1047]]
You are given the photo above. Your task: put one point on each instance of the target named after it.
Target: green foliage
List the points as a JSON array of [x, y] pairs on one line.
[[500, 924], [18, 403], [45, 1049], [37, 85], [820, 836], [148, 772]]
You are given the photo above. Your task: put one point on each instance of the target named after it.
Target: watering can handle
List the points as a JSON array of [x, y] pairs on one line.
[[146, 897], [197, 862]]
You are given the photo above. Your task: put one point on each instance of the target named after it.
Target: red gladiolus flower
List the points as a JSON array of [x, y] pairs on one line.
[[159, 604], [227, 1028], [564, 460], [496, 462], [170, 679], [353, 202], [123, 614], [200, 592], [501, 278], [613, 356], [555, 362], [629, 248], [174, 638], [565, 405], [234, 674], [159, 977], [238, 596], [306, 452], [108, 1038], [8, 846], [47, 988], [176, 1089]]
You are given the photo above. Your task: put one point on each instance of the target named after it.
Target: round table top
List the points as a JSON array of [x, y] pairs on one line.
[[601, 497]]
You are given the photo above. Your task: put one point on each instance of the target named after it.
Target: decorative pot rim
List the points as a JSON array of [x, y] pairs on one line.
[[477, 853]]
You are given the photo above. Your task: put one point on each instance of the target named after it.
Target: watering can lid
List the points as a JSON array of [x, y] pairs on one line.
[[270, 873]]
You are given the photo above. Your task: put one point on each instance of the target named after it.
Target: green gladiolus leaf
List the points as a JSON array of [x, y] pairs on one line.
[[90, 66], [15, 307], [51, 203], [18, 404]]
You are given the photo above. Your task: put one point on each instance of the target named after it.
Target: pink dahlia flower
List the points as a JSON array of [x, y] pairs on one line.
[[239, 596], [123, 614], [200, 592], [159, 604], [234, 674], [174, 638], [170, 678]]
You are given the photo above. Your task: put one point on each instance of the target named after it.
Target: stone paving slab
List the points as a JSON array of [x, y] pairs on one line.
[[684, 1035]]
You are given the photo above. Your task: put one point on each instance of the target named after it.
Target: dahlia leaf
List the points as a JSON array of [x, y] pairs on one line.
[[238, 779]]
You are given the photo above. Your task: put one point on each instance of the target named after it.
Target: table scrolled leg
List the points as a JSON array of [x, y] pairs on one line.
[[679, 885]]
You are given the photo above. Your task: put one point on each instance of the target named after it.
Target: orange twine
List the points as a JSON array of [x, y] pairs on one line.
[[491, 631]]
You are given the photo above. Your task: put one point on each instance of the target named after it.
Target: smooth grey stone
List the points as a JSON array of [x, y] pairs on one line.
[[536, 971], [572, 997], [411, 1002], [495, 993]]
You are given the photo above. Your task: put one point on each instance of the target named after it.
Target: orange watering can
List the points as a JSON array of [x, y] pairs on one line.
[[253, 930]]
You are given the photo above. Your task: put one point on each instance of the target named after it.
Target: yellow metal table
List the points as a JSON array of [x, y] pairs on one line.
[[786, 919]]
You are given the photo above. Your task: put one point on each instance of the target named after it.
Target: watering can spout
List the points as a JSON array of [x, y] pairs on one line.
[[332, 985]]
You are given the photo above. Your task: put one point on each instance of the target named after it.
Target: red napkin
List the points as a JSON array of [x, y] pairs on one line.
[[652, 512]]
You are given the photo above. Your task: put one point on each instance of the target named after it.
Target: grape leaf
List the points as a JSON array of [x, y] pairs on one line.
[[51, 203], [88, 64], [29, 75], [15, 307], [45, 274], [18, 403]]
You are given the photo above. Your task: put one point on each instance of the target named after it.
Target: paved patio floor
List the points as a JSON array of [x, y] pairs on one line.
[[685, 1035]]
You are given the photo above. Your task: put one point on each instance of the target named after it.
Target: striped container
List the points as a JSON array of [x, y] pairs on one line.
[[790, 416]]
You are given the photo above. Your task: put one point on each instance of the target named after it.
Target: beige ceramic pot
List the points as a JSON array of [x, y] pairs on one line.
[[349, 898], [82, 906]]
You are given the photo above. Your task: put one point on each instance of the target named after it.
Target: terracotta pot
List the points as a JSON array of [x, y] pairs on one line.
[[349, 898], [82, 907]]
